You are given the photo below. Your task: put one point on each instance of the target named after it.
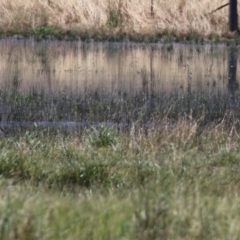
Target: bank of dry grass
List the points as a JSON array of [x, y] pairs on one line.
[[113, 17]]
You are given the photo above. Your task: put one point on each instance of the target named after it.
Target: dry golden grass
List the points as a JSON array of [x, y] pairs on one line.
[[129, 16]]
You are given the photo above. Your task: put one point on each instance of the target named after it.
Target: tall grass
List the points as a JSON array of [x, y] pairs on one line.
[[176, 182], [122, 16]]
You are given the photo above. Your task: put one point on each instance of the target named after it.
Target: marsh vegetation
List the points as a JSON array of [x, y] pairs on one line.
[[122, 142]]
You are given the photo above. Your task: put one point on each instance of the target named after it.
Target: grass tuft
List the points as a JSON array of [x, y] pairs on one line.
[[101, 137]]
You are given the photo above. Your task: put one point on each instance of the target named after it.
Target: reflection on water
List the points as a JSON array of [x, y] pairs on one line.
[[115, 82], [54, 66]]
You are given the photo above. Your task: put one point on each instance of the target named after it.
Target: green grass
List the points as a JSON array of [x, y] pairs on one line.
[[179, 181]]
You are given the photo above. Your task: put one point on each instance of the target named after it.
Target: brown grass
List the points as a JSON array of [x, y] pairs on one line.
[[128, 16]]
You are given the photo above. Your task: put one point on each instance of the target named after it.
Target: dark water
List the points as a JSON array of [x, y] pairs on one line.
[[78, 83]]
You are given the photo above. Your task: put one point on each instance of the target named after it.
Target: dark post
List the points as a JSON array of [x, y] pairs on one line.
[[232, 74], [233, 15]]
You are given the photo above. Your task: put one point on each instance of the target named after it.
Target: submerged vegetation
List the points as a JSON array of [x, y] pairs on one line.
[[120, 108], [148, 20]]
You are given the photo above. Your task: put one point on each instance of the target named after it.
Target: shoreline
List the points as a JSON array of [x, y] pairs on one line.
[[231, 39]]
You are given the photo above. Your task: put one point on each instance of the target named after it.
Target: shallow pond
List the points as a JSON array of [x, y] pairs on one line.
[[116, 82]]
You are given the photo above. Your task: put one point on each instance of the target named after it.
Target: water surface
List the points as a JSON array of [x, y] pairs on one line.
[[79, 81]]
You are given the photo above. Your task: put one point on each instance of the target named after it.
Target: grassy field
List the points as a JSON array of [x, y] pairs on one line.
[[171, 173], [143, 20], [180, 181]]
